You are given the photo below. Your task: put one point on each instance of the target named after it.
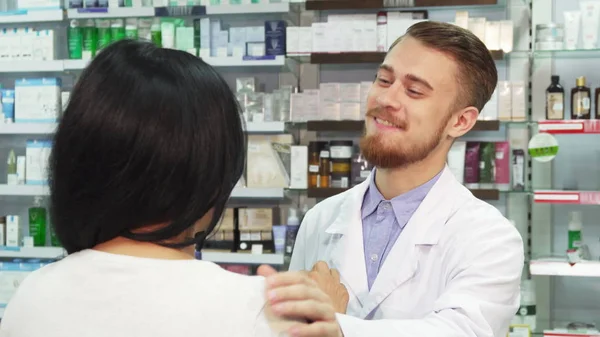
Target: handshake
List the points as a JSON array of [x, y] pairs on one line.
[[312, 297]]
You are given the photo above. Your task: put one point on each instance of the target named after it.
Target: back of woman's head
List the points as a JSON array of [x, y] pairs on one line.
[[150, 136]]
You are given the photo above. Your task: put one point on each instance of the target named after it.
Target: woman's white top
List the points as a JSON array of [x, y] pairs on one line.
[[94, 294]]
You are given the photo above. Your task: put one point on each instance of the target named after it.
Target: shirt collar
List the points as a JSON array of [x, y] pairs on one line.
[[400, 204]]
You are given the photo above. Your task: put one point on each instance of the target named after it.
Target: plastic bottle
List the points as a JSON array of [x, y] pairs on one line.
[[293, 224], [382, 31], [37, 223], [11, 170], [575, 230]]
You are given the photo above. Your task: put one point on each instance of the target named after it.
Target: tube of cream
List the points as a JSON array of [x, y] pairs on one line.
[[572, 23], [590, 15], [279, 239], [518, 170], [472, 165]]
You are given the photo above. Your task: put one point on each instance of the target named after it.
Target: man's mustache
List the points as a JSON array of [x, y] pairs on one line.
[[380, 113]]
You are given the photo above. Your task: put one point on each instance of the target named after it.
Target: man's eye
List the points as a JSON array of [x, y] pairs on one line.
[[383, 81]]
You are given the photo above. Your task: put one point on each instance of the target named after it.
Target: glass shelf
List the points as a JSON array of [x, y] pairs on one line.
[[576, 53]]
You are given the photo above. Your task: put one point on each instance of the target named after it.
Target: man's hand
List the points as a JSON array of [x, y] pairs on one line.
[[295, 295], [329, 282]]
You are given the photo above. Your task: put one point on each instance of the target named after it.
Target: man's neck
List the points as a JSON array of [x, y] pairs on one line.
[[397, 181]]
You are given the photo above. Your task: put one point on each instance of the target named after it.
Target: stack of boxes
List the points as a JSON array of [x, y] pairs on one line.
[[218, 40]]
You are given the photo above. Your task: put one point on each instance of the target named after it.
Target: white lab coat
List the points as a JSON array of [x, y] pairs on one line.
[[455, 270]]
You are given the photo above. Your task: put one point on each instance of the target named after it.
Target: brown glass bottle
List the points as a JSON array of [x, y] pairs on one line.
[[555, 100], [324, 169], [580, 100], [314, 151]]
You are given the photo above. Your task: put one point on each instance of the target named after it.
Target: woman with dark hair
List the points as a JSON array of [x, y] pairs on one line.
[[144, 160]]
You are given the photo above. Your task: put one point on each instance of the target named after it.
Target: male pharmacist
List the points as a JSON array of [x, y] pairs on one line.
[[419, 255]]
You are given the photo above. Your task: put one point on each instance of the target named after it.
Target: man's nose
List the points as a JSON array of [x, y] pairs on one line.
[[391, 97]]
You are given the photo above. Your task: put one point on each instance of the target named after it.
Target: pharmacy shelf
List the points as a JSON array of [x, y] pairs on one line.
[[358, 126], [283, 7], [32, 252], [50, 128], [28, 66], [378, 4], [24, 16], [570, 127], [23, 190], [273, 61], [567, 197], [27, 129], [322, 193], [243, 258], [111, 12], [238, 192], [567, 333], [366, 57], [265, 127], [257, 193], [265, 61], [75, 64], [560, 267]]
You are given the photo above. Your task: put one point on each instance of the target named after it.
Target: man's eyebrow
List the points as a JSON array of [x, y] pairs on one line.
[[386, 68], [415, 78], [410, 77]]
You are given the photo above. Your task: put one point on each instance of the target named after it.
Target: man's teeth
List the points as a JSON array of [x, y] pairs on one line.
[[383, 122]]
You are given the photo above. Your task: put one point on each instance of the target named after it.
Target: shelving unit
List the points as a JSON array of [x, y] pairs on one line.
[[175, 11], [567, 197], [377, 4], [110, 13], [560, 267], [322, 193], [242, 258], [276, 61], [32, 252], [50, 15], [265, 127], [367, 57], [358, 126], [26, 66], [23, 190], [27, 129], [257, 193], [283, 7], [569, 183], [570, 127]]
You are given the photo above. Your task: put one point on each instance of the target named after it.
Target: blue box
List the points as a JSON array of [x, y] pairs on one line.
[[275, 37]]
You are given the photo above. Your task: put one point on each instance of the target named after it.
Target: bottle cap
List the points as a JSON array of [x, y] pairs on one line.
[[581, 81], [575, 221], [555, 78]]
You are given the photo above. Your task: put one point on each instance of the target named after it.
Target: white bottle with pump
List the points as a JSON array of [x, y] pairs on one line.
[[293, 224], [574, 238]]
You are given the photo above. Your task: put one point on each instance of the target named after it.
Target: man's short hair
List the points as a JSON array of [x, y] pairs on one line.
[[477, 74]]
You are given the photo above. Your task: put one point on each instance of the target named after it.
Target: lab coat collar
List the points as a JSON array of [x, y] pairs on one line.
[[436, 200]]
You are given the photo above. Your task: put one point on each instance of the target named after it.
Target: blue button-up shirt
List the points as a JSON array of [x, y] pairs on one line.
[[383, 221]]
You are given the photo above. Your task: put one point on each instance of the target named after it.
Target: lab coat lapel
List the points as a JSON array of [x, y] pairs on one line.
[[423, 228], [347, 252]]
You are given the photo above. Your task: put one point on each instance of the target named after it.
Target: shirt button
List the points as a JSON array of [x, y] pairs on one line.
[[374, 257], [386, 207]]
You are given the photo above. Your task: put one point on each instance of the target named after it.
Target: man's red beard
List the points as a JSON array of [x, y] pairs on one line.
[[382, 153]]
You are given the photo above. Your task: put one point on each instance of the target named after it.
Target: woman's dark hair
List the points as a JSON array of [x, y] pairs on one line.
[[150, 136]]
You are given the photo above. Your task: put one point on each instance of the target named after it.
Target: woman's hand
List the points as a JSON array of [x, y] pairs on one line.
[[295, 295]]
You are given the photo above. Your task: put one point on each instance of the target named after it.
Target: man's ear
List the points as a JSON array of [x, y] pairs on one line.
[[463, 121]]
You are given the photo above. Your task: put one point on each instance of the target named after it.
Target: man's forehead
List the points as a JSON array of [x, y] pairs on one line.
[[412, 57]]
